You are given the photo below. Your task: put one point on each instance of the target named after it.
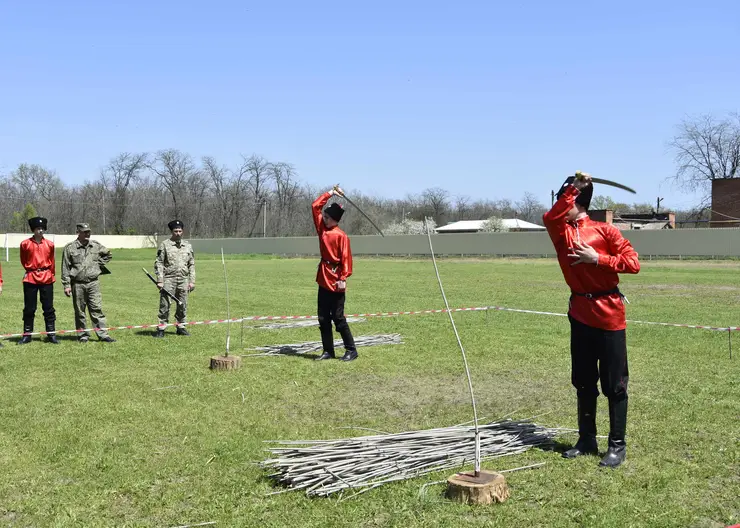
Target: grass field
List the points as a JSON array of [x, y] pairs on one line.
[[89, 436]]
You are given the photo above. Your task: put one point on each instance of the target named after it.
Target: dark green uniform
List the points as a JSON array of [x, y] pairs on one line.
[[175, 269], [81, 267]]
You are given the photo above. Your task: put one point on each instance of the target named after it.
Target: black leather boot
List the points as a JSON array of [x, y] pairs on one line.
[[617, 450], [182, 331], [27, 329], [51, 336], [325, 355], [158, 333], [349, 355], [586, 444]]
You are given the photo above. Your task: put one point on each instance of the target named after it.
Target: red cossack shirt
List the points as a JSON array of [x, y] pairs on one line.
[[336, 254], [37, 258], [616, 255]]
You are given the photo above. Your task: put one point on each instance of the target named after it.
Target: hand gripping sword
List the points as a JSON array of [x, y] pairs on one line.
[[336, 187], [167, 293]]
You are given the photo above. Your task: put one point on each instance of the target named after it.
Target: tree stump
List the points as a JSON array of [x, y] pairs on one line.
[[486, 488], [226, 362]]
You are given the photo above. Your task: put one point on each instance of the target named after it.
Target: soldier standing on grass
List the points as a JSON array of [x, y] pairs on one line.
[[591, 255], [37, 258], [175, 271], [83, 261], [334, 270]]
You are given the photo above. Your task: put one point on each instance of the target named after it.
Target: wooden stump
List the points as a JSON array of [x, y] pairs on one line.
[[226, 362], [486, 488]]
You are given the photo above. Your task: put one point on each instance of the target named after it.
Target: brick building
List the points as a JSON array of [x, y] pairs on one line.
[[725, 203]]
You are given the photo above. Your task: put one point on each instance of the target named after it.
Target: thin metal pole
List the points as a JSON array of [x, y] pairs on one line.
[[228, 312], [729, 337], [465, 360]]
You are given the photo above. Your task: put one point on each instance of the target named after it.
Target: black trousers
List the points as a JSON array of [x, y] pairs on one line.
[[331, 308], [45, 293], [598, 354]]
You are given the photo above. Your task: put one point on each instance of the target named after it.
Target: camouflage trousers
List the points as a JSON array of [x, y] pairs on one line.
[[179, 288], [86, 295]]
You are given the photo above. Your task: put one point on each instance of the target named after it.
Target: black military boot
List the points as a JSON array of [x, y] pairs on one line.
[[182, 331], [617, 450], [50, 335], [27, 329], [349, 355], [586, 444], [158, 333], [325, 355]]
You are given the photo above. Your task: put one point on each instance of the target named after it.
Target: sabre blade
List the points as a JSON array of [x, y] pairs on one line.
[[363, 214], [613, 184]]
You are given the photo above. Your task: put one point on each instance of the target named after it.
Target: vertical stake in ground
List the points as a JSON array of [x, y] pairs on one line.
[[729, 337], [477, 487], [226, 362]]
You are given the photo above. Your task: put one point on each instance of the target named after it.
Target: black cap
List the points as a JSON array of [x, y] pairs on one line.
[[584, 198], [37, 221], [335, 211], [175, 224]]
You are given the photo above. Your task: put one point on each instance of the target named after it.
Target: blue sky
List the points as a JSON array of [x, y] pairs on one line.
[[485, 99]]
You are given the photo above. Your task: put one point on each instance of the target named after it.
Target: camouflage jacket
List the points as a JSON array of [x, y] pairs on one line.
[[82, 263], [175, 261]]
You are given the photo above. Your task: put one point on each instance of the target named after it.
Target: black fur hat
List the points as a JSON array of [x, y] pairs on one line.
[[335, 211], [584, 198]]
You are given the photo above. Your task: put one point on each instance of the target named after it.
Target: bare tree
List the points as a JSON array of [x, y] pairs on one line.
[[258, 169], [35, 181], [174, 169], [116, 177], [707, 149], [462, 206], [436, 200], [287, 192], [529, 208]]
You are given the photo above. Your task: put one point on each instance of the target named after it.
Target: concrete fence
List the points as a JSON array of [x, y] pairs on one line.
[[666, 242], [13, 240]]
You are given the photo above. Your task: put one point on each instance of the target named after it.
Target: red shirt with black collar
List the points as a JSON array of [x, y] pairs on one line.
[[336, 254], [616, 255], [37, 258]]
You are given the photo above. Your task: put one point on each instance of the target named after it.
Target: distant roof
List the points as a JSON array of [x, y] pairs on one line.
[[476, 225]]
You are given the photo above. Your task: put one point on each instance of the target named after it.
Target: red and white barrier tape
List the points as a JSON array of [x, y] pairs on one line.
[[374, 314]]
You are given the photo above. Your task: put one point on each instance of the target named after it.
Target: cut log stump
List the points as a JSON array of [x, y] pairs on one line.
[[226, 362], [486, 488]]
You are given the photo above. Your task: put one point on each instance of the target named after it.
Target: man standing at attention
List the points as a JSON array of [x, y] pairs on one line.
[[37, 258], [175, 271], [591, 255], [83, 261], [334, 270]]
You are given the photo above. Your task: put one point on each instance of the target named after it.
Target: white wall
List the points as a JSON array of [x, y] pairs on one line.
[[13, 240]]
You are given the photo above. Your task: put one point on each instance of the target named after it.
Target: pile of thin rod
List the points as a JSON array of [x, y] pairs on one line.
[[303, 323], [324, 467], [316, 346]]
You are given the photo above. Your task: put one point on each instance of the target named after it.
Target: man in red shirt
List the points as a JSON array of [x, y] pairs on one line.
[[334, 270], [591, 255], [37, 258]]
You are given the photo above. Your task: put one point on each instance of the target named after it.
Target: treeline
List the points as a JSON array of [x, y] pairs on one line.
[[138, 193]]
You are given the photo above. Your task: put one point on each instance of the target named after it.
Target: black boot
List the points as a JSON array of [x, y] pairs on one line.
[[182, 331], [617, 451], [349, 355], [586, 444], [51, 336], [158, 333], [326, 355], [27, 329]]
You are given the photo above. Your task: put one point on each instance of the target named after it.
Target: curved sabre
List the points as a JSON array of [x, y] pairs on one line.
[[613, 184], [361, 212]]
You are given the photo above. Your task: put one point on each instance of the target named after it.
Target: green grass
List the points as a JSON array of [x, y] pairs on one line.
[[86, 440]]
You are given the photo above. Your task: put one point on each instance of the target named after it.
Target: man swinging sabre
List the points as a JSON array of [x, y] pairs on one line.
[[591, 255], [334, 270]]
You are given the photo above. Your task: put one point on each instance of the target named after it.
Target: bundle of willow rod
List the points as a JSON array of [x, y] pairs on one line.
[[316, 346], [324, 467], [302, 323]]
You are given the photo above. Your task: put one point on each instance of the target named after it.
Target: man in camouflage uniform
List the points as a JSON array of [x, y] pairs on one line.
[[175, 271], [83, 261]]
